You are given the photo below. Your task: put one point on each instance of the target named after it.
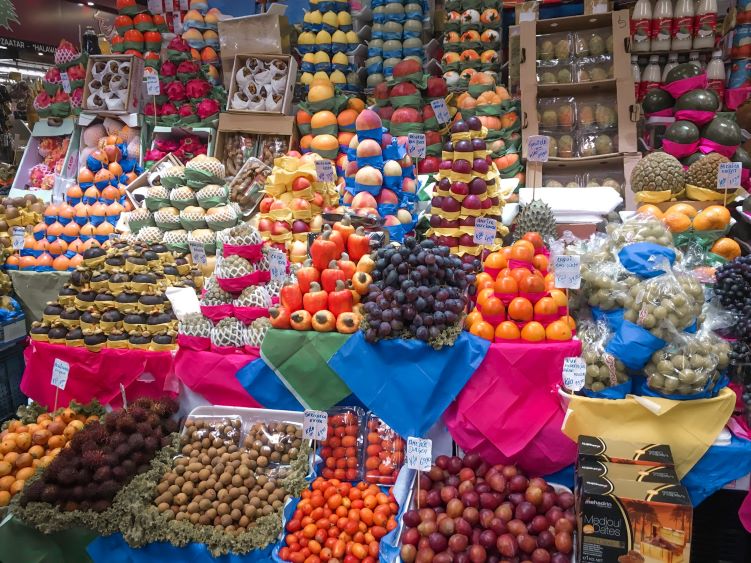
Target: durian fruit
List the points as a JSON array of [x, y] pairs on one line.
[[256, 332], [234, 267], [228, 332], [215, 295], [658, 171], [538, 217], [195, 324], [150, 235], [703, 172], [253, 296], [182, 197]]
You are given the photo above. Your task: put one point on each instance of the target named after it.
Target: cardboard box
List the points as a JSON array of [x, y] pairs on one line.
[[621, 451], [132, 192], [289, 89], [207, 134], [135, 84], [633, 522], [261, 125], [31, 156], [589, 467]]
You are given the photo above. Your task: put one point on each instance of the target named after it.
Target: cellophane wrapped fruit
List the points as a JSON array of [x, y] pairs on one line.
[[603, 369], [342, 444], [385, 452]]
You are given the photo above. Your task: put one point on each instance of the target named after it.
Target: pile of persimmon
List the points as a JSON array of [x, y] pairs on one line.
[[339, 522], [326, 296], [24, 447], [516, 298]]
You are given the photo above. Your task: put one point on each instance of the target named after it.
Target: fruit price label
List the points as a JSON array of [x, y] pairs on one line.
[[155, 6], [278, 262], [729, 175], [60, 371], [538, 148], [441, 111], [419, 453], [325, 171], [315, 425], [184, 5], [574, 370], [152, 81], [17, 238], [416, 145], [66, 82], [485, 230], [197, 252], [567, 270]]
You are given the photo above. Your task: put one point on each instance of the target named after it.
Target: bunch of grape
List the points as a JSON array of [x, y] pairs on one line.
[[733, 288], [419, 290]]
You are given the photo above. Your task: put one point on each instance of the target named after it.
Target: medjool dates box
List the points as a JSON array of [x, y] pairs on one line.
[[633, 522], [620, 451], [589, 467]]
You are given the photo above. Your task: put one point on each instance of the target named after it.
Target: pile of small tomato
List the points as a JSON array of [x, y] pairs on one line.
[[339, 522]]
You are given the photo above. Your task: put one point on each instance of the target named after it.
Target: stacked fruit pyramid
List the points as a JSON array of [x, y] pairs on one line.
[[516, 298], [186, 96], [467, 189], [139, 32], [293, 204], [116, 299], [380, 177], [201, 26], [186, 203], [325, 42], [235, 305], [53, 101], [396, 36], [472, 42]]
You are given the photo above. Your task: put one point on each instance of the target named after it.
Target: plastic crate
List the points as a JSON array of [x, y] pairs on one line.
[[719, 536], [11, 371]]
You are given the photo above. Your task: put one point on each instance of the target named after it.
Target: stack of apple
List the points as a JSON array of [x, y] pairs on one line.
[[293, 204], [380, 177], [467, 189]]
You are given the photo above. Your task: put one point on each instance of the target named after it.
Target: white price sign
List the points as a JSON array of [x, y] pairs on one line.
[[66, 82], [278, 262], [155, 6], [325, 171], [185, 5], [60, 371], [152, 82], [197, 252], [729, 175], [568, 272], [416, 145], [315, 425], [538, 148], [441, 111], [17, 237], [574, 370], [419, 453], [485, 230]]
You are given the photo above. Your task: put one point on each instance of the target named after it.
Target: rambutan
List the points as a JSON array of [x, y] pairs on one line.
[[94, 458], [165, 407], [84, 477], [101, 505], [122, 451], [78, 493], [139, 457], [97, 434], [154, 420], [119, 474], [139, 414], [110, 422], [171, 426], [135, 441], [116, 438], [151, 443], [108, 489], [126, 424], [142, 469], [85, 505], [67, 476], [103, 474], [144, 428], [128, 466], [70, 506], [50, 494], [143, 402], [33, 493]]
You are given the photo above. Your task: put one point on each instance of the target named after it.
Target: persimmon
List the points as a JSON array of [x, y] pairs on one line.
[[520, 309], [549, 281], [533, 332], [522, 250], [507, 330], [532, 283], [571, 322], [677, 222], [472, 318], [683, 208], [558, 330], [518, 274], [484, 294], [506, 252], [483, 329], [727, 248], [535, 238], [559, 296], [506, 286], [492, 306], [483, 280], [546, 307], [540, 261], [720, 212], [495, 261], [652, 210]]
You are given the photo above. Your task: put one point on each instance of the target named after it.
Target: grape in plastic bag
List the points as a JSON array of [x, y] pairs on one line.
[[639, 228], [603, 369]]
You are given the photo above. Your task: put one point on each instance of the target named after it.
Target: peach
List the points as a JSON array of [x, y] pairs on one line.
[[368, 119], [391, 221], [300, 183], [299, 204], [392, 168], [354, 142], [404, 216], [277, 204], [264, 225], [351, 169], [365, 211], [368, 147], [279, 228], [408, 185], [364, 200], [347, 198], [387, 196], [369, 176]]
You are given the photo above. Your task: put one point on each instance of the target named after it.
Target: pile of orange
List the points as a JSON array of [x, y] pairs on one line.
[[516, 297], [24, 447]]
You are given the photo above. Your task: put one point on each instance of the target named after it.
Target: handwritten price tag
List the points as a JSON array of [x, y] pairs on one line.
[[315, 425], [441, 111], [416, 145], [184, 5], [17, 238], [152, 82], [278, 262], [419, 453], [60, 371], [155, 6], [574, 370], [325, 171], [66, 82], [485, 230], [729, 175], [197, 252], [567, 272], [538, 148]]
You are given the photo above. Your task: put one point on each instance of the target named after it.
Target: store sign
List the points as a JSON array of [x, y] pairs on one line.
[[419, 453], [538, 148], [485, 231], [315, 425], [729, 175], [60, 371], [574, 370], [278, 265], [30, 45], [567, 271], [416, 145], [325, 171], [197, 252]]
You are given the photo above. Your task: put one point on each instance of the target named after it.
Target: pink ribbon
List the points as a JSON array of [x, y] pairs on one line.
[[506, 297], [190, 342], [236, 285], [534, 297], [680, 87], [734, 97], [745, 174], [519, 264], [251, 252], [248, 314], [679, 150], [706, 146], [216, 312], [700, 117], [667, 112]]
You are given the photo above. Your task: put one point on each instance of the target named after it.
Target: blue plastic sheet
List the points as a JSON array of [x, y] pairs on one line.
[[614, 318], [389, 548], [615, 392], [646, 259], [406, 382], [634, 345], [261, 383], [641, 388]]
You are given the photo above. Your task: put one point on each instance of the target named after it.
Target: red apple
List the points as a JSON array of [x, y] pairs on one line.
[[294, 154], [386, 138], [367, 148], [265, 224], [391, 221], [437, 87], [429, 165], [265, 204], [468, 221], [299, 204], [317, 200], [351, 169], [381, 91], [277, 204], [369, 176], [408, 185], [427, 113], [368, 119], [486, 203], [463, 146], [300, 183], [480, 165], [450, 205], [406, 67], [462, 166], [404, 89], [364, 200], [450, 223], [432, 137], [466, 240], [387, 196], [459, 188], [406, 115], [478, 186], [385, 113], [472, 202], [279, 228]]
